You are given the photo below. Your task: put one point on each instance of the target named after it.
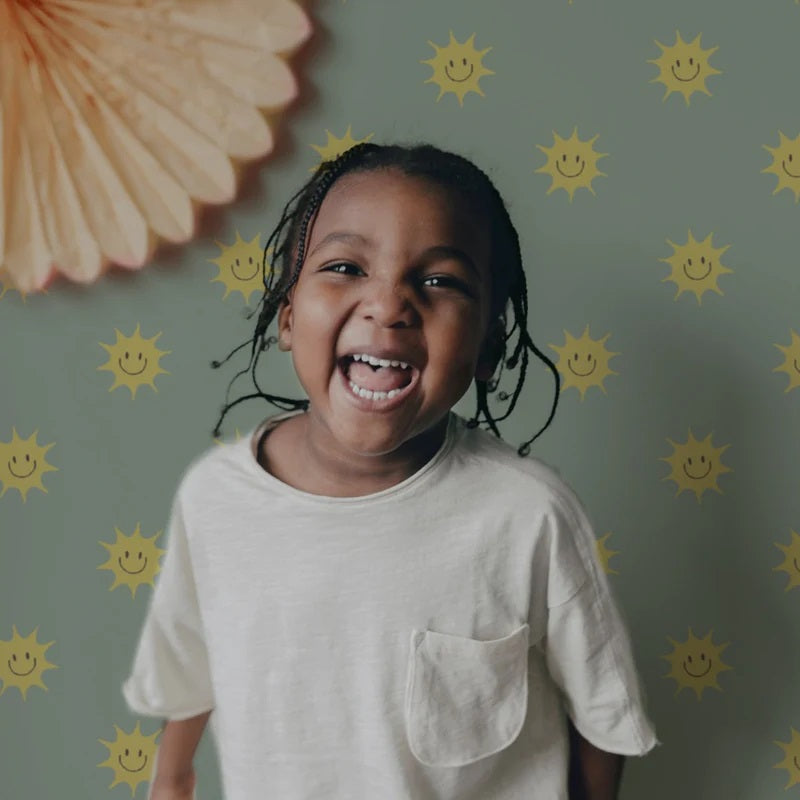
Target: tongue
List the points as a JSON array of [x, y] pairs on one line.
[[383, 379]]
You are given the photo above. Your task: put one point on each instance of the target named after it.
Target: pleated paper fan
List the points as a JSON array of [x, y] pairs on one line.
[[118, 118]]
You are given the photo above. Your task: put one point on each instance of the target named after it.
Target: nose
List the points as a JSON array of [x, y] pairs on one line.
[[388, 304]]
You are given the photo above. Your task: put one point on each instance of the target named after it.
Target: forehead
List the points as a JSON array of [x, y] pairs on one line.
[[413, 208]]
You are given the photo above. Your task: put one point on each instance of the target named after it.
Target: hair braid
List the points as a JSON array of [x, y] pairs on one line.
[[517, 294], [306, 201]]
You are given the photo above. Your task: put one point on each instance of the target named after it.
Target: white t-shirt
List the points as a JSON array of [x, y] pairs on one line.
[[419, 643]]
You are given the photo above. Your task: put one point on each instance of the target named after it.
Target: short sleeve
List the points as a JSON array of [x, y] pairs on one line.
[[170, 675], [587, 647]]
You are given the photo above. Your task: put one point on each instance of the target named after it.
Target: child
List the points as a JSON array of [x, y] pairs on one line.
[[377, 599]]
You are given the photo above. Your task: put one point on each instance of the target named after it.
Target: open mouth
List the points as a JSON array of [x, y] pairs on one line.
[[377, 380]]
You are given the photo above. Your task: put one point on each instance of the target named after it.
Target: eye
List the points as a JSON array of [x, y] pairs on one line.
[[342, 268], [446, 282]]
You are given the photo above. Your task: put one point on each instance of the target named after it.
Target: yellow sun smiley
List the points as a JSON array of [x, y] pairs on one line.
[[683, 67], [457, 68], [22, 662], [791, 762], [696, 266], [228, 441], [696, 465], [604, 554], [241, 266], [22, 464], [791, 561], [696, 663], [791, 364], [131, 757], [571, 163], [786, 164], [334, 147], [583, 362], [134, 361], [133, 559]]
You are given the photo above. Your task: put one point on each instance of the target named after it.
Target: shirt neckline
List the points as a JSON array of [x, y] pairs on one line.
[[250, 443]]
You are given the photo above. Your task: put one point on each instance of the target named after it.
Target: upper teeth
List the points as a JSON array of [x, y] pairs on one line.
[[379, 362]]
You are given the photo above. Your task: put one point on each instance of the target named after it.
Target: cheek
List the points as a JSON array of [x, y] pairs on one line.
[[313, 320], [456, 347]]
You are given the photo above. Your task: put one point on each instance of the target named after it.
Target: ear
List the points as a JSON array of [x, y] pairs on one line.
[[285, 320], [491, 351]]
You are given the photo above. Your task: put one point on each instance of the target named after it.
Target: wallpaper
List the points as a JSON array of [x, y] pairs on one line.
[[649, 154]]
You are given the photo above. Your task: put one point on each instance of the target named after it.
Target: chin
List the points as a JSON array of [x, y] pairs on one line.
[[376, 444]]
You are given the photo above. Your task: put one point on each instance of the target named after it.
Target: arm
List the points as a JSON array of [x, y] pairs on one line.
[[174, 777], [594, 774]]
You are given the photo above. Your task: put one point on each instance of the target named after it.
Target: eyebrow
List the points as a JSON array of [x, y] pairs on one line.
[[342, 236], [441, 250], [448, 251]]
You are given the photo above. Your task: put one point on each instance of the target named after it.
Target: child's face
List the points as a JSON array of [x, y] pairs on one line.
[[395, 269]]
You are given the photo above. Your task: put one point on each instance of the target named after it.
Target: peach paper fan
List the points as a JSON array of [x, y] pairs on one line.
[[119, 117]]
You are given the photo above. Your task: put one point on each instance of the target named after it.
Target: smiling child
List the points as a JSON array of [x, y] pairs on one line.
[[369, 596]]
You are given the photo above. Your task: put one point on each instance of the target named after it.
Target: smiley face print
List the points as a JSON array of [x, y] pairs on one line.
[[605, 554], [22, 662], [696, 663], [791, 561], [571, 163], [131, 757], [696, 465], [134, 361], [791, 761], [791, 362], [22, 464], [696, 266], [583, 362], [786, 164], [457, 68], [241, 267], [133, 559], [683, 67]]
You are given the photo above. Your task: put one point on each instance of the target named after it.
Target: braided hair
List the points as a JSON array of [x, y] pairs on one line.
[[453, 173]]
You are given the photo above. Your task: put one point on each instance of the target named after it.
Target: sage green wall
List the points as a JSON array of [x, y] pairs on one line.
[[694, 570]]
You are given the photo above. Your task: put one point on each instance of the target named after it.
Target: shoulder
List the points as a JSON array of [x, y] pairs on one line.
[[223, 468], [532, 500], [529, 479]]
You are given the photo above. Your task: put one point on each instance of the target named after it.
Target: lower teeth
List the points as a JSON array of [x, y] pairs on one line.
[[368, 394]]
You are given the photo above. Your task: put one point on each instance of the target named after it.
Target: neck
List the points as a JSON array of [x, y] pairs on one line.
[[309, 460]]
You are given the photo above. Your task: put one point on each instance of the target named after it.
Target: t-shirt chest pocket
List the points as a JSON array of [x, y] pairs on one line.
[[465, 698]]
